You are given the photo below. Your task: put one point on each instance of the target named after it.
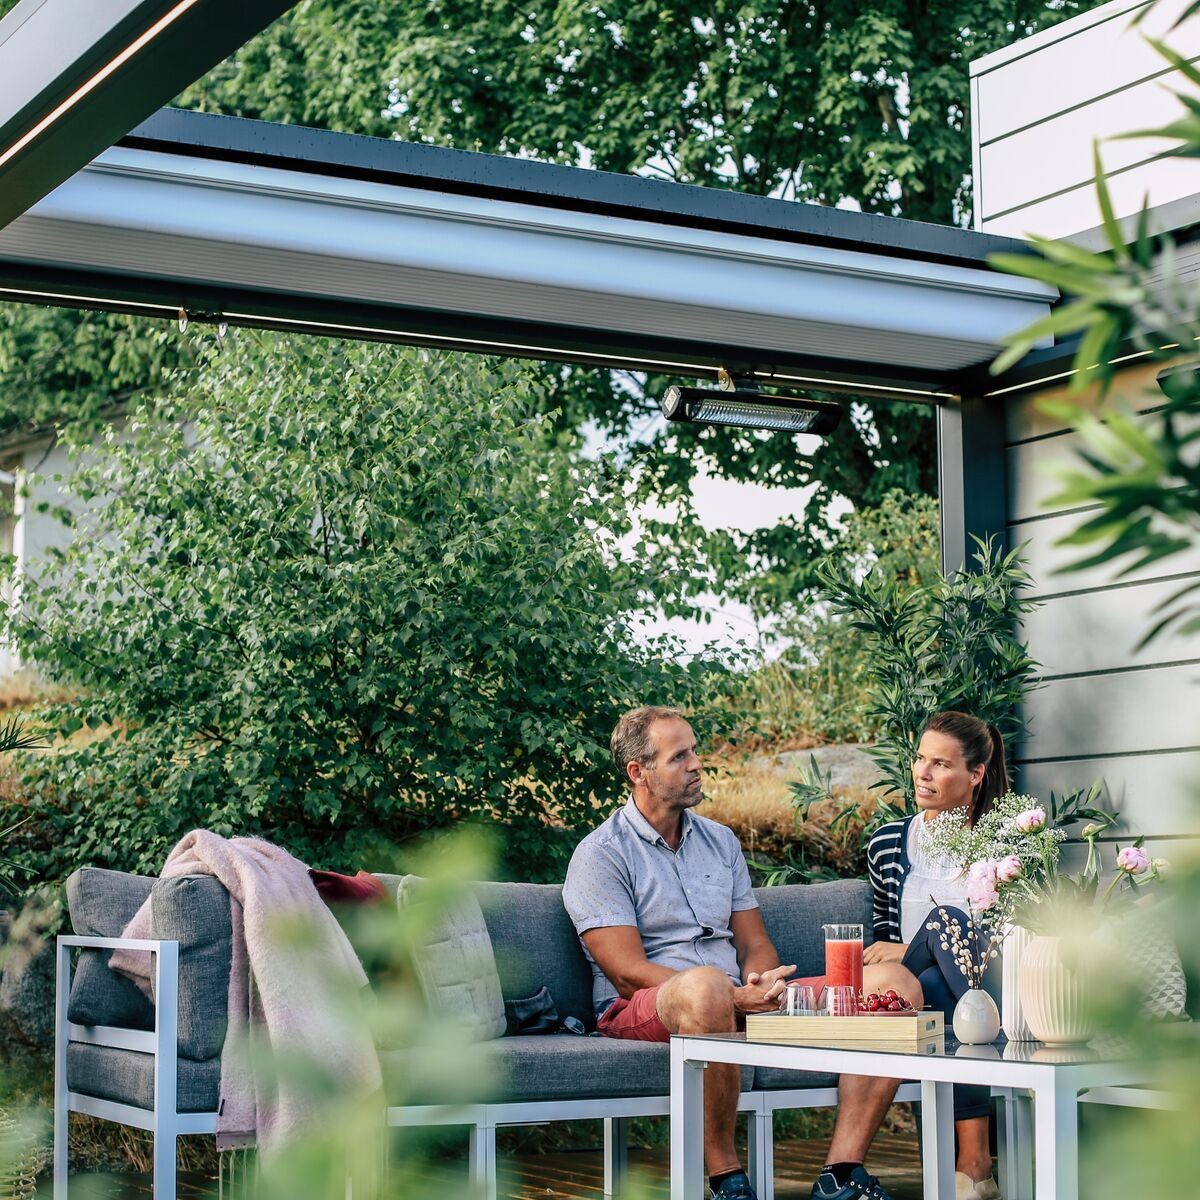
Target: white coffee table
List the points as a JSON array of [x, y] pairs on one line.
[[1053, 1075]]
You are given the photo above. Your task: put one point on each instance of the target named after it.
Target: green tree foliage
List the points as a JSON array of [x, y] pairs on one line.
[[310, 597]]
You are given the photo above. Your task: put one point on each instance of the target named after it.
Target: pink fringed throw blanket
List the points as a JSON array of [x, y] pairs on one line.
[[295, 990]]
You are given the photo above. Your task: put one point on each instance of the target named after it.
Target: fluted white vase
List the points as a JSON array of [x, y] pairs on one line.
[[976, 1018], [1057, 999], [1012, 1015]]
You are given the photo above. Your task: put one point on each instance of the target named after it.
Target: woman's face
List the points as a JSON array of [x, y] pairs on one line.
[[941, 776]]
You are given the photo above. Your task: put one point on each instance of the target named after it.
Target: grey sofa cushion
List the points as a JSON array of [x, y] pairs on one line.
[[794, 915], [772, 1079], [128, 1077], [101, 904], [536, 946], [194, 911], [556, 1066]]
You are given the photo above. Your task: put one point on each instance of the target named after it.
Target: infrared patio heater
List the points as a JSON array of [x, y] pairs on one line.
[[740, 403]]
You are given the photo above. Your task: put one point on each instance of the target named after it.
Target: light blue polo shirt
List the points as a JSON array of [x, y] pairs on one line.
[[624, 873]]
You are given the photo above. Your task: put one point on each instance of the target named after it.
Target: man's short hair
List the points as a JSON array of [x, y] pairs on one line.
[[631, 739]]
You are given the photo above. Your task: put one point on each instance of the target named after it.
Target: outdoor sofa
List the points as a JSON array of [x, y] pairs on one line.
[[158, 1068]]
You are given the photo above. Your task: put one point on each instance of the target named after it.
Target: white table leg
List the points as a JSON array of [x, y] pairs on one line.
[[1056, 1144], [687, 1125], [937, 1133]]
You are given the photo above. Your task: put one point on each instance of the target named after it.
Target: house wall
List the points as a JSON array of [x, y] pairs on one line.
[[1039, 105], [1110, 708]]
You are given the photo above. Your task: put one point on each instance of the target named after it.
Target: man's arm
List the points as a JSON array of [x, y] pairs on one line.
[[619, 953], [763, 977]]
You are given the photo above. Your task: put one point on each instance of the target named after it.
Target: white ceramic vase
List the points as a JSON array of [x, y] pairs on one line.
[[976, 1018], [1056, 998], [1012, 1015]]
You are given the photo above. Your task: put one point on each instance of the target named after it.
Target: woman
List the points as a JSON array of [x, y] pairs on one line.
[[959, 764]]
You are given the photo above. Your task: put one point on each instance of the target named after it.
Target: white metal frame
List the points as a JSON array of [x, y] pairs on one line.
[[164, 1121]]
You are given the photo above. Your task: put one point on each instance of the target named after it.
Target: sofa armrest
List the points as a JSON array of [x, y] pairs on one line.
[[161, 1041]]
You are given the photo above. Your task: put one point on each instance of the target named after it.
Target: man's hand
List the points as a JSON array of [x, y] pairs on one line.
[[760, 993], [884, 952]]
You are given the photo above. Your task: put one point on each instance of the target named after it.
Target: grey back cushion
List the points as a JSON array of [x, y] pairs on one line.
[[193, 910], [794, 914], [101, 904], [190, 909], [536, 946]]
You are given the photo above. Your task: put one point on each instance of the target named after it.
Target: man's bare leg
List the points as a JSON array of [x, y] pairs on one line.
[[863, 1101], [698, 1001]]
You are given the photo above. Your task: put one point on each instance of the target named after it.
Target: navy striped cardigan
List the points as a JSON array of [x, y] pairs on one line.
[[888, 867]]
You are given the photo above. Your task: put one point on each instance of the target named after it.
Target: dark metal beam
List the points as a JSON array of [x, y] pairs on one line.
[[492, 176], [972, 477], [76, 75]]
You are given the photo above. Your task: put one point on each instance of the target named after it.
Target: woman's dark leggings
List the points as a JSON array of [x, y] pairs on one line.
[[943, 983]]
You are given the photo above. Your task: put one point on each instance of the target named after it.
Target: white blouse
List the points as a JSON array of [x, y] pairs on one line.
[[932, 879]]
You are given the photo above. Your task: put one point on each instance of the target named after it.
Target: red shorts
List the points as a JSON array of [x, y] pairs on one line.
[[635, 1019]]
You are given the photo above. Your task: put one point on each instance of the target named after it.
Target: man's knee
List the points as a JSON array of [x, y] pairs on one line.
[[698, 1000], [881, 977]]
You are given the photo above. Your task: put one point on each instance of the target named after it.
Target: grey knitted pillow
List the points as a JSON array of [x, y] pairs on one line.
[[455, 963]]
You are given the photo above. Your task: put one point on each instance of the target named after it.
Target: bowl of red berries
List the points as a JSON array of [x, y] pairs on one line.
[[883, 1004]]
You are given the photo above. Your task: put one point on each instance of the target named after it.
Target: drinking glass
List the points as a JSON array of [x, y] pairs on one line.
[[799, 1000], [844, 956], [839, 1001]]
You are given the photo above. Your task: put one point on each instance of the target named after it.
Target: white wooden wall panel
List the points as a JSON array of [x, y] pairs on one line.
[[1074, 63], [1108, 709], [1153, 709], [1106, 628], [1077, 211], [1044, 559], [1155, 794], [1038, 106], [1034, 468]]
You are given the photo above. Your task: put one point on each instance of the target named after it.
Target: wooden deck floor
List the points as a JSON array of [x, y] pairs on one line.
[[579, 1175]]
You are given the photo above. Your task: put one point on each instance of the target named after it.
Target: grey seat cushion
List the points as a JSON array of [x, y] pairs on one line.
[[556, 1066], [194, 911], [101, 904], [128, 1077], [795, 913], [772, 1079], [536, 946]]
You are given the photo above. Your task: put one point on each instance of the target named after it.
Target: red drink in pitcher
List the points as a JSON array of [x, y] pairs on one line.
[[844, 956]]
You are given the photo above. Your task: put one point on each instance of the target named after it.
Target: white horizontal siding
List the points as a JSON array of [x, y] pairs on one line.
[[1100, 631], [1039, 105], [1155, 794], [1087, 716], [1109, 709]]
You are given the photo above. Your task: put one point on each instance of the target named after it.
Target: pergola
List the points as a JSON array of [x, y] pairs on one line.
[[252, 223]]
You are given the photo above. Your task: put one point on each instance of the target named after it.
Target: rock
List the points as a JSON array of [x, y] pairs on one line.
[[27, 986], [849, 767]]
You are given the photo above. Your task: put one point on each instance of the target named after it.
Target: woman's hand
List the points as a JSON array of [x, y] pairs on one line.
[[884, 952]]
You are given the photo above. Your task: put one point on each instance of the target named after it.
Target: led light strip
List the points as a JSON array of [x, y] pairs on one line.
[[92, 301], [96, 80]]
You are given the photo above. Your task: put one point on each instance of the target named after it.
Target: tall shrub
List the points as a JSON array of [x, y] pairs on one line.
[[333, 593], [951, 644]]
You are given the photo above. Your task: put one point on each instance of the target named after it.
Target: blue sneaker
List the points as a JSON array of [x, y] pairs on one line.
[[735, 1187], [861, 1186]]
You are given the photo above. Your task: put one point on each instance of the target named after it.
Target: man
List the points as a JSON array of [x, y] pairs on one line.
[[662, 903]]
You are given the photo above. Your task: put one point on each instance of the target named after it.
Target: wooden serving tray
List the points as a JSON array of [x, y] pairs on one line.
[[914, 1032]]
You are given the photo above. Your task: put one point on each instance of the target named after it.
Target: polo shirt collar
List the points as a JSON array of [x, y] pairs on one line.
[[647, 832]]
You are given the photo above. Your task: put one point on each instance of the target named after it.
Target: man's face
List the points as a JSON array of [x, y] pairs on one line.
[[673, 774]]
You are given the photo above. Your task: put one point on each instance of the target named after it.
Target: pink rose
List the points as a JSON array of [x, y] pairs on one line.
[[1031, 820], [981, 885], [1008, 869], [1133, 859]]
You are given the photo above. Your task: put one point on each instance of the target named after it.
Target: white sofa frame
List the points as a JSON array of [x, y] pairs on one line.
[[167, 1124]]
